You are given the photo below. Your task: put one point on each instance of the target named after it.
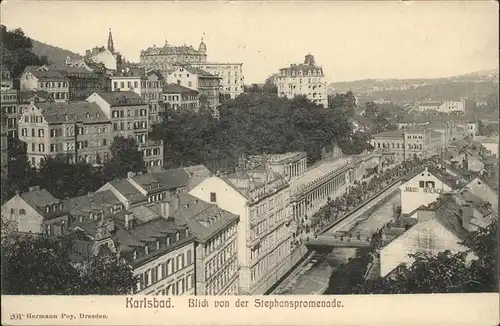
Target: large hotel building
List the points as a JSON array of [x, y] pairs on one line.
[[165, 59], [303, 79]]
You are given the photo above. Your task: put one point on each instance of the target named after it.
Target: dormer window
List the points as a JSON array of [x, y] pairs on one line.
[[177, 236], [47, 209], [187, 232], [135, 254], [146, 249], [157, 244], [168, 241]]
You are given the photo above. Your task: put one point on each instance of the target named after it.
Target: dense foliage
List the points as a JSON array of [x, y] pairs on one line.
[[65, 179], [253, 123], [16, 51], [42, 265]]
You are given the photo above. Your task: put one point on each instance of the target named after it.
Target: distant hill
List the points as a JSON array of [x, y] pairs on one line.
[[54, 54], [476, 85]]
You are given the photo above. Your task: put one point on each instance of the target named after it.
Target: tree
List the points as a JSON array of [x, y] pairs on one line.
[[125, 157], [16, 52], [39, 265], [64, 179], [269, 86], [20, 173]]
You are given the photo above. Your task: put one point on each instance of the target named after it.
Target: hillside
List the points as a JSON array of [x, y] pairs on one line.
[[54, 54], [476, 85]]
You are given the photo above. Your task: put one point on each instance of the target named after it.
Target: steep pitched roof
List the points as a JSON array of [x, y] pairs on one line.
[[86, 112], [172, 178], [203, 219], [122, 98], [178, 89], [90, 202], [449, 214], [126, 189]]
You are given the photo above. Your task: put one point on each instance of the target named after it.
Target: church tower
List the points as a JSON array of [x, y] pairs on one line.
[[111, 46]]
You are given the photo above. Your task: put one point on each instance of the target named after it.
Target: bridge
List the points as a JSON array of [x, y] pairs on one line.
[[325, 243]]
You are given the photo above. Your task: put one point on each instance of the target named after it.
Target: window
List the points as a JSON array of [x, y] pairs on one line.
[[22, 211], [421, 184], [213, 197]]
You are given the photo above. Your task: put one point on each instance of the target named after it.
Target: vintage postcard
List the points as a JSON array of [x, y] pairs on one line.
[[249, 163]]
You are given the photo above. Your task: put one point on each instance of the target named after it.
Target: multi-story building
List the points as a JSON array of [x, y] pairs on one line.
[[10, 111], [129, 79], [260, 197], [128, 115], [161, 251], [304, 79], [6, 81], [37, 211], [148, 84], [207, 85], [77, 129], [82, 81], [406, 143], [164, 58], [423, 143], [42, 78], [4, 163], [390, 142], [151, 92], [216, 249], [178, 97], [232, 82], [457, 106]]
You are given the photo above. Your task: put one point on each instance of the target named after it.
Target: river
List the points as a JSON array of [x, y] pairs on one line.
[[314, 276]]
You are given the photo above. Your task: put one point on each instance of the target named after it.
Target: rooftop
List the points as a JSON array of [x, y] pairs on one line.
[[203, 219], [389, 134], [122, 98], [317, 172], [178, 89], [124, 187], [91, 202], [57, 112]]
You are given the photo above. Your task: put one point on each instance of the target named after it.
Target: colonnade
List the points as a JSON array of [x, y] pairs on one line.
[[296, 169], [311, 202]]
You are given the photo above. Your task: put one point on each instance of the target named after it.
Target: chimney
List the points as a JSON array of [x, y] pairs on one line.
[[130, 174], [425, 214], [128, 220], [467, 214], [165, 209], [174, 203]]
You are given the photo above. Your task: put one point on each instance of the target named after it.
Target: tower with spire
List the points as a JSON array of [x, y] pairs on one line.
[[111, 46], [203, 47]]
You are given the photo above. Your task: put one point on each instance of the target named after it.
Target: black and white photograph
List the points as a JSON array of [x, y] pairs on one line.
[[249, 148]]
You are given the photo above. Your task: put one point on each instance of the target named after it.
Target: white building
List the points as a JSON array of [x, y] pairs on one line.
[[261, 198], [303, 79], [424, 188], [232, 82], [438, 228]]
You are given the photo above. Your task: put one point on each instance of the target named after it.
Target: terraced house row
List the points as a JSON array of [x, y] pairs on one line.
[[176, 243], [85, 130]]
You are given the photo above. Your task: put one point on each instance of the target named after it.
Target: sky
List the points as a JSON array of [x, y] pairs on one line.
[[351, 40]]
